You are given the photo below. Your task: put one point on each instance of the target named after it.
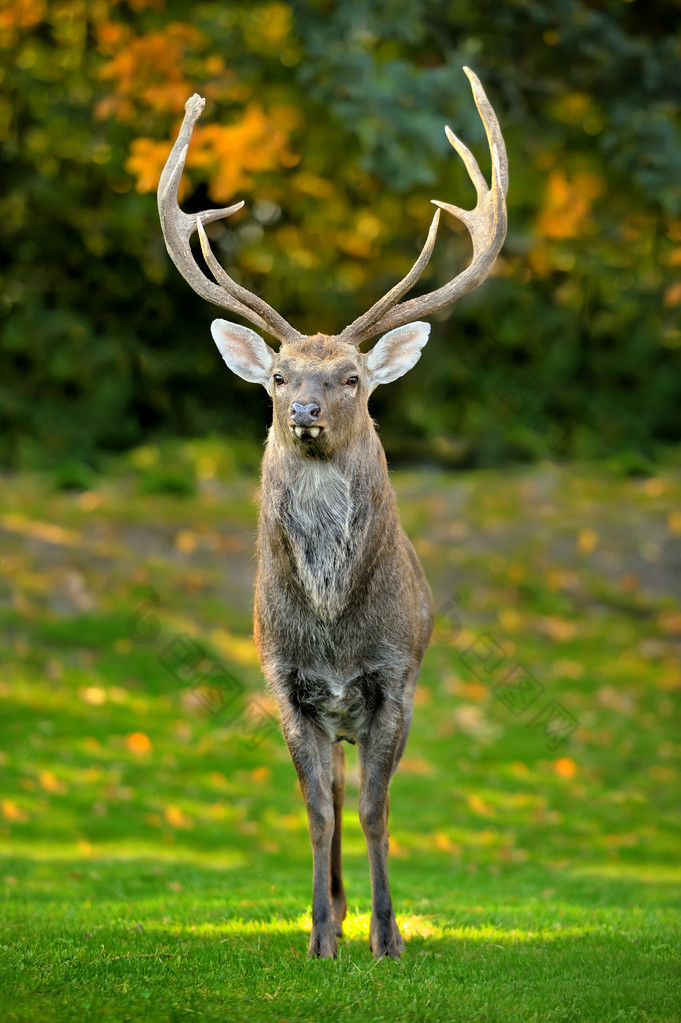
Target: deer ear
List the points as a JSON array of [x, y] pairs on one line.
[[396, 352], [244, 351]]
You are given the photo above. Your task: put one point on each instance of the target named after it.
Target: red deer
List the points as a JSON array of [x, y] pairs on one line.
[[343, 612]]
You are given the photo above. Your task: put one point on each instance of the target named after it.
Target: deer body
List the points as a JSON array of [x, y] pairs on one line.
[[343, 613]]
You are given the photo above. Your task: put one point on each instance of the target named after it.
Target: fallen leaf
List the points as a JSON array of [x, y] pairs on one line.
[[415, 765], [186, 541], [565, 767], [670, 622], [439, 840], [50, 783], [11, 812], [559, 629], [654, 487], [674, 521], [177, 818], [94, 695], [587, 540], [478, 805], [510, 619], [568, 669], [138, 742]]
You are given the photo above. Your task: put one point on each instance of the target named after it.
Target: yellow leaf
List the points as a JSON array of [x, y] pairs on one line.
[[395, 849], [50, 783], [177, 818], [186, 541], [674, 521], [415, 765], [587, 541], [479, 806], [94, 695], [235, 649], [670, 679], [11, 812], [47, 532], [444, 843], [510, 619]]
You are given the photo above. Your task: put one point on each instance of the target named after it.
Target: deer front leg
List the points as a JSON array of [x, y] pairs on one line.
[[377, 755], [311, 752], [338, 899]]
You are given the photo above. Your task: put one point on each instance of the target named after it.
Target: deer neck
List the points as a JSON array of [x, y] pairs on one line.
[[331, 516]]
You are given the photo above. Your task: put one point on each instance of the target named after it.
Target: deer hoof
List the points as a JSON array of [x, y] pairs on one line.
[[388, 943], [322, 945]]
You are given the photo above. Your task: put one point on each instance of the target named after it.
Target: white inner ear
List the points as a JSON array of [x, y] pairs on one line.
[[396, 352], [244, 351]]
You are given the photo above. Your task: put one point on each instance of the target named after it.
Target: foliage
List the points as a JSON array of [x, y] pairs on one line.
[[155, 859], [327, 117]]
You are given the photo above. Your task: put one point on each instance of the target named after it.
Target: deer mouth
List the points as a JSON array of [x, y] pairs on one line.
[[307, 432]]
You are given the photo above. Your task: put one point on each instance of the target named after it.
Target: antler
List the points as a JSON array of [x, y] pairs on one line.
[[178, 228], [486, 224]]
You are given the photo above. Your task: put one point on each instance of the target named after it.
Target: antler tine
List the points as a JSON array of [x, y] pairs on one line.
[[486, 224], [362, 323], [275, 323], [178, 228]]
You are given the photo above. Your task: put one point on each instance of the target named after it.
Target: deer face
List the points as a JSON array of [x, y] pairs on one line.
[[319, 385]]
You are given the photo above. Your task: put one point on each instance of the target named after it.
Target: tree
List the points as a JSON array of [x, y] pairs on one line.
[[327, 118]]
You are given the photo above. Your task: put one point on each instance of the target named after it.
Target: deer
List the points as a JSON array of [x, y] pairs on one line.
[[342, 610]]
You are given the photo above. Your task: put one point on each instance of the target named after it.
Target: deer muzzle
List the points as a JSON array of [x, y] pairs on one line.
[[304, 416]]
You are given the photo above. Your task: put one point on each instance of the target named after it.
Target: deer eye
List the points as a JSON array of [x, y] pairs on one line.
[[352, 381], [278, 379]]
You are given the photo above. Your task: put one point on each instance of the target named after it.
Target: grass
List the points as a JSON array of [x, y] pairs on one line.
[[155, 858]]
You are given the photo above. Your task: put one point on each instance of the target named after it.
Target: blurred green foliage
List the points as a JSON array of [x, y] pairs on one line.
[[327, 118]]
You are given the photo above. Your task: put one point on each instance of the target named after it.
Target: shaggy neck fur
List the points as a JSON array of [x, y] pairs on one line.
[[322, 510]]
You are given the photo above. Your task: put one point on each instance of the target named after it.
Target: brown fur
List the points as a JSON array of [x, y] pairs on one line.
[[343, 616]]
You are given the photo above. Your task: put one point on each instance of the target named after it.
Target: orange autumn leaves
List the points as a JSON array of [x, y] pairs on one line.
[[227, 155], [153, 74], [146, 71], [568, 203], [565, 216]]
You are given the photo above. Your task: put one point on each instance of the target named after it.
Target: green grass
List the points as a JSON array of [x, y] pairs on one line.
[[155, 857]]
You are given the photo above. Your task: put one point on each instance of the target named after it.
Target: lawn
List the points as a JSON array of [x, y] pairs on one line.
[[155, 857]]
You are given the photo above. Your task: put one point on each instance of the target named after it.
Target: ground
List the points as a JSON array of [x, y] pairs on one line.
[[155, 857]]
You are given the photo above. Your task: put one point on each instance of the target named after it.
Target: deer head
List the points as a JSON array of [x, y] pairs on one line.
[[320, 384]]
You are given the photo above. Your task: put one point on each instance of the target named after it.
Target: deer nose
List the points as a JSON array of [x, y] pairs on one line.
[[304, 415]]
